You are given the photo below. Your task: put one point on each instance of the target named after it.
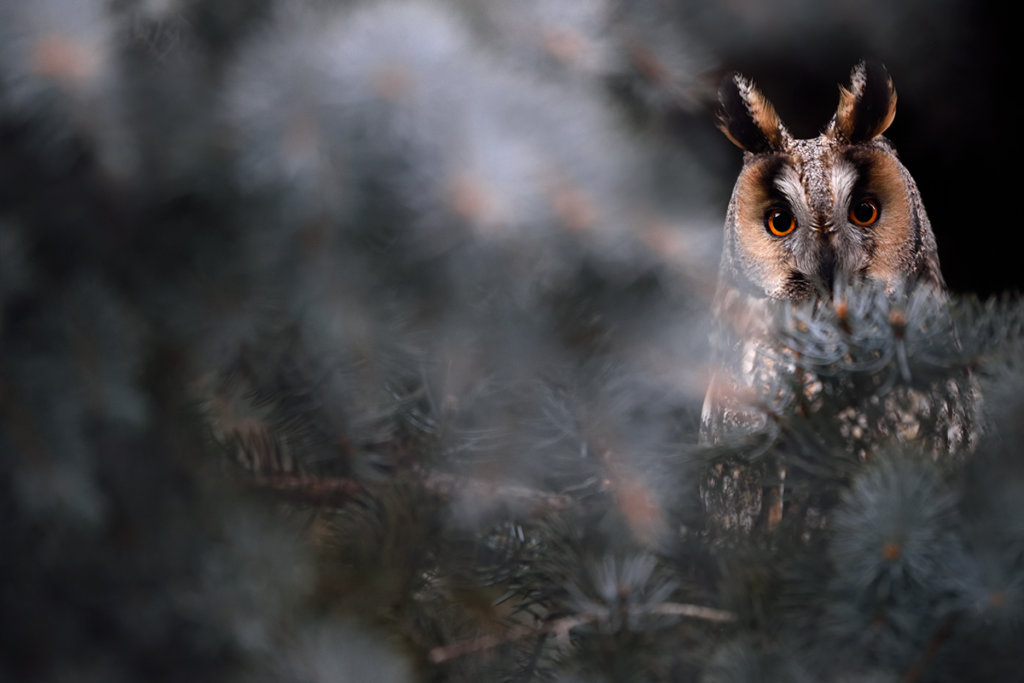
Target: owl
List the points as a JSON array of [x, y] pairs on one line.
[[807, 218]]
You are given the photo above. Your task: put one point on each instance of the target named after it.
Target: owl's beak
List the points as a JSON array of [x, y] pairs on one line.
[[827, 267]]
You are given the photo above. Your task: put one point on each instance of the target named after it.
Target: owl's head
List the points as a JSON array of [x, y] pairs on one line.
[[807, 214]]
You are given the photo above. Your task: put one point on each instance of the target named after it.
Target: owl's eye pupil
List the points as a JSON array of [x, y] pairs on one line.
[[779, 222], [864, 211]]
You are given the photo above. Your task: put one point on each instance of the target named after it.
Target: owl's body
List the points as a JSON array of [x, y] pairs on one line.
[[807, 219]]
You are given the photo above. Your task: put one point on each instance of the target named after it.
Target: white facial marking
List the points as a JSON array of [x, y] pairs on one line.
[[788, 183], [844, 178]]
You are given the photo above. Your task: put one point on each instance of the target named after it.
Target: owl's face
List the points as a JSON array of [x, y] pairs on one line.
[[806, 214]]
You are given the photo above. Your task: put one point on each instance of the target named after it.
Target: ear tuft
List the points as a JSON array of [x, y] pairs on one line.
[[868, 106], [748, 118]]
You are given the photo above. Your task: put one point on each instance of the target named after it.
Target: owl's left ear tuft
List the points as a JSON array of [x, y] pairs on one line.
[[867, 107]]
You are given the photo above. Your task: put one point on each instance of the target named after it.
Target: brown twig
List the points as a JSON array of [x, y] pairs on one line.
[[562, 627], [330, 491], [489, 641], [676, 609], [450, 485], [339, 491], [941, 634]]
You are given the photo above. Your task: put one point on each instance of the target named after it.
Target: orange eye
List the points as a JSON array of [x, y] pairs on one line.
[[779, 222], [864, 211]]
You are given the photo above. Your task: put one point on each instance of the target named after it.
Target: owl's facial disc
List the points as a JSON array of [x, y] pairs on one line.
[[821, 212]]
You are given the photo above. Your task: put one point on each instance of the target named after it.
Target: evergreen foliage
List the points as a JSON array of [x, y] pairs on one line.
[[347, 341]]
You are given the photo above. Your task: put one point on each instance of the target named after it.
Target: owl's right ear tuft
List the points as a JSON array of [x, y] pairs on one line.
[[748, 118]]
